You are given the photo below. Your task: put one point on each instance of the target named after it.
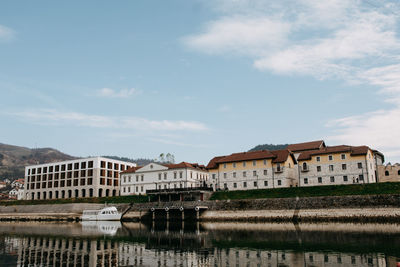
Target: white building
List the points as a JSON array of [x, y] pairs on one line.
[[87, 177], [153, 176]]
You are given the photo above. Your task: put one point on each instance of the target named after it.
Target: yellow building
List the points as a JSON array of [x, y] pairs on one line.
[[253, 170], [339, 165]]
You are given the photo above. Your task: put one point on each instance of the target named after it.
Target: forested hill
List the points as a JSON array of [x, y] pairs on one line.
[[13, 159], [269, 147]]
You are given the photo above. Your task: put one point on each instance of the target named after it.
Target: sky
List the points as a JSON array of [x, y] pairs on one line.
[[199, 78]]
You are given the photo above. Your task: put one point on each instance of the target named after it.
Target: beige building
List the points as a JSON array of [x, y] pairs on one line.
[[253, 170], [138, 180], [389, 173], [88, 177], [338, 165]]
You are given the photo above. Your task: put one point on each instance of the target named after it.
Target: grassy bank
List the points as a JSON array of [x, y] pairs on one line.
[[315, 191], [101, 200]]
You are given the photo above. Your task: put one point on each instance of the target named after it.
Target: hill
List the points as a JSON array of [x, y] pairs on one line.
[[13, 159], [139, 162], [269, 147]]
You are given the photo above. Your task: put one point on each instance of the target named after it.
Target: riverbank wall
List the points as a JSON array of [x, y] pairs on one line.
[[366, 208]]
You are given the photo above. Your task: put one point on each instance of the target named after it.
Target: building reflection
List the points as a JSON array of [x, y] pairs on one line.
[[175, 245]]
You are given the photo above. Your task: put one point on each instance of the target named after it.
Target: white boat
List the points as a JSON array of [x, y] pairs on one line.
[[105, 214]]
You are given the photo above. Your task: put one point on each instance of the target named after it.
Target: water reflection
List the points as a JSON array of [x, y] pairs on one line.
[[209, 244], [100, 227]]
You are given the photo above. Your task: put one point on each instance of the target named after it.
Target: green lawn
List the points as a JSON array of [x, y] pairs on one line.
[[328, 190], [315, 191]]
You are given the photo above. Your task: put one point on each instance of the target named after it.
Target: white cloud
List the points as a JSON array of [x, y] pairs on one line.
[[49, 116], [240, 35], [352, 40], [123, 93], [6, 34]]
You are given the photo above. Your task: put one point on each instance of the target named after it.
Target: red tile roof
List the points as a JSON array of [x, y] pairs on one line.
[[277, 156], [354, 150], [313, 145], [172, 166], [132, 169]]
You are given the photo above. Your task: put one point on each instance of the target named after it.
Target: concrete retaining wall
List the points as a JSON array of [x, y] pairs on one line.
[[335, 208]]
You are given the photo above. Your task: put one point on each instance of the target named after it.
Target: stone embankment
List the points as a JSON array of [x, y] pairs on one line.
[[372, 208]]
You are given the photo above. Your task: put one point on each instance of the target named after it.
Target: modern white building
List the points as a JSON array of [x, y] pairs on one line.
[[87, 177], [153, 176]]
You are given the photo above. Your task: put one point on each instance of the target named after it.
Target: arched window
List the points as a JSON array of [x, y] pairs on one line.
[[386, 173], [304, 166]]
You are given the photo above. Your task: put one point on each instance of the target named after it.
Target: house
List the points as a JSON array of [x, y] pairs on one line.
[[19, 183], [156, 176], [389, 173], [253, 170], [338, 165]]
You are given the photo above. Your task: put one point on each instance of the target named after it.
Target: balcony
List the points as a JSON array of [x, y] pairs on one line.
[[304, 168], [278, 169]]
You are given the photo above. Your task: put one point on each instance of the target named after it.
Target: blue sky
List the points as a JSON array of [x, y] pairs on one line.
[[199, 78]]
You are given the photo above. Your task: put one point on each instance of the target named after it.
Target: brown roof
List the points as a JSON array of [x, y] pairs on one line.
[[354, 150], [313, 145], [172, 166], [132, 169], [185, 165], [277, 156]]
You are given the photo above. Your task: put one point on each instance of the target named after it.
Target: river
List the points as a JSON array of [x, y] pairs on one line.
[[198, 244]]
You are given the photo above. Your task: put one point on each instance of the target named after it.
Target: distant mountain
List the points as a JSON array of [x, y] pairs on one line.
[[269, 147], [13, 159], [139, 162]]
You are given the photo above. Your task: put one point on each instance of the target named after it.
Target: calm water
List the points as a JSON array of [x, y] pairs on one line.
[[208, 244]]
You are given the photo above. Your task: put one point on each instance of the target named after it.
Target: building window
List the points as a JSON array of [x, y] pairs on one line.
[[332, 179], [226, 186], [234, 165], [254, 163], [345, 179], [213, 176], [265, 183], [142, 178], [398, 172], [225, 175], [265, 162], [244, 184], [320, 180], [234, 174], [181, 174], [165, 176], [318, 168], [344, 167], [244, 174], [255, 183], [305, 180], [330, 157], [224, 165], [254, 173], [361, 177], [175, 175], [331, 168], [359, 165], [265, 172], [234, 185], [318, 158], [244, 163], [159, 176], [343, 156], [279, 182]]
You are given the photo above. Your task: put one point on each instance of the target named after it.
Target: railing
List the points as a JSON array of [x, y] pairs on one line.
[[304, 168], [278, 169], [170, 190]]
